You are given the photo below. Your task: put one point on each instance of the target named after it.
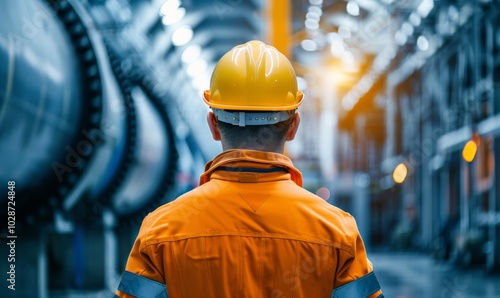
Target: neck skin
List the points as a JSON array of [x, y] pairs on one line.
[[274, 147], [277, 147]]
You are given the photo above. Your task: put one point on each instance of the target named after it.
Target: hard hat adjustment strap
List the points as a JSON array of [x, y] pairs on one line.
[[251, 118]]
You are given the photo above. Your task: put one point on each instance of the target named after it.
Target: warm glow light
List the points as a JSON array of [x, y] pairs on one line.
[[469, 151], [400, 172], [337, 73]]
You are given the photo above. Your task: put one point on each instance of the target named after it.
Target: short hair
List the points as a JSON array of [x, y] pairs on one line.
[[264, 137]]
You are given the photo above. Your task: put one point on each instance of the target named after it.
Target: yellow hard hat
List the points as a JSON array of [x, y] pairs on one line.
[[253, 77]]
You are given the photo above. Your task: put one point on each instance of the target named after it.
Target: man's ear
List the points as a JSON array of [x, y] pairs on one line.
[[294, 126], [212, 124]]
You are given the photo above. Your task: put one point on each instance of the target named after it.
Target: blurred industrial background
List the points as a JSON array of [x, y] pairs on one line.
[[101, 121]]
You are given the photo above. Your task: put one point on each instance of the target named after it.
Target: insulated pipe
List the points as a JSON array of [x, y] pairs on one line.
[[48, 100], [40, 93], [77, 132], [135, 158]]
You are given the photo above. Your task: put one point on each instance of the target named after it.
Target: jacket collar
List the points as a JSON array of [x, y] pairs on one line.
[[258, 160]]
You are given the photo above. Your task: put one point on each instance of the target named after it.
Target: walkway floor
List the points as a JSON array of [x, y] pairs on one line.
[[405, 275]]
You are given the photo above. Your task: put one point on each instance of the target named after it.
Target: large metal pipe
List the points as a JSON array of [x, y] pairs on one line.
[[76, 132], [45, 99]]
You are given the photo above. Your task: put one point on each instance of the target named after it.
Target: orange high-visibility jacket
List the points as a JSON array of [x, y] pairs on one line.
[[249, 230]]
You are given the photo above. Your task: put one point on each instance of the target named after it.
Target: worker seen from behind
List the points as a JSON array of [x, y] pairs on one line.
[[250, 229]]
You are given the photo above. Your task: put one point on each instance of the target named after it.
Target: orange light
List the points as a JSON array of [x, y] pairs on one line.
[[469, 151], [400, 173]]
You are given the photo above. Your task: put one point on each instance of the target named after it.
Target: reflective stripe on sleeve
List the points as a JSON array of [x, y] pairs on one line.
[[359, 288], [141, 287]]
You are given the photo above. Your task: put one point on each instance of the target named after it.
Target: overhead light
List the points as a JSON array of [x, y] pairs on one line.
[[353, 8], [199, 85], [169, 7], [372, 6], [202, 80], [191, 53], [316, 2], [383, 59], [337, 46], [348, 102], [182, 35], [345, 32], [425, 8], [196, 68], [311, 25], [422, 43], [400, 38], [173, 17], [315, 9], [415, 19], [407, 28], [312, 16], [348, 57], [308, 45], [365, 84]]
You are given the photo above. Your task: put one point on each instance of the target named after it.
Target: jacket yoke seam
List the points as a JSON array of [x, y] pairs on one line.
[[345, 248]]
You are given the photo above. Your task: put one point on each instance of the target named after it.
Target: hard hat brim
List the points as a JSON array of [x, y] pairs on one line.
[[206, 99]]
